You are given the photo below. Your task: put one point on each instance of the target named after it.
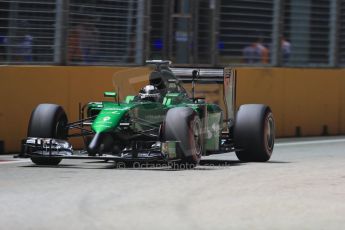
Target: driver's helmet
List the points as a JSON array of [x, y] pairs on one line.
[[149, 93]]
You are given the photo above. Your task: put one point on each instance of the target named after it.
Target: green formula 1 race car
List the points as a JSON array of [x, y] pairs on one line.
[[164, 122]]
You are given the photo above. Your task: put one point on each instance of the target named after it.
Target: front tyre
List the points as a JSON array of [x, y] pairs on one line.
[[254, 133], [48, 121], [184, 126]]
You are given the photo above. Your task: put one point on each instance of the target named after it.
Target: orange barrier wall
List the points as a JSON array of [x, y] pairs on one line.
[[307, 98], [312, 99]]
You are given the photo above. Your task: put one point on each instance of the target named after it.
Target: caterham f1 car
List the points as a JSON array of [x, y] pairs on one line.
[[164, 122]]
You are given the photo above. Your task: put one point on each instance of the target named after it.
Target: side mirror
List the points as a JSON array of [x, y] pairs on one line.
[[110, 94], [195, 75]]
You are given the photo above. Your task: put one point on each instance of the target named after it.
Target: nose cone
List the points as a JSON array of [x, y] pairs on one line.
[[96, 141], [109, 118]]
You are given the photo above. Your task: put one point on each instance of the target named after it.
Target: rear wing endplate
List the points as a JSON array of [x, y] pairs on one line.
[[225, 76]]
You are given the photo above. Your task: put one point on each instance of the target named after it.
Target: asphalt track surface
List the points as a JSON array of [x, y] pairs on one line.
[[302, 187]]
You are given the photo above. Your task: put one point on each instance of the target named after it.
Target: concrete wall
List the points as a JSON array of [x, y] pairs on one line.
[[311, 99], [307, 98]]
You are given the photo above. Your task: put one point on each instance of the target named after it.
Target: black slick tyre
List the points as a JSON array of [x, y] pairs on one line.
[[184, 126], [47, 121], [254, 133]]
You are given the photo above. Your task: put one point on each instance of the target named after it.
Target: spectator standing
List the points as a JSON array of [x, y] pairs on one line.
[[24, 49], [23, 44], [285, 49], [83, 41], [3, 51], [74, 52], [256, 52]]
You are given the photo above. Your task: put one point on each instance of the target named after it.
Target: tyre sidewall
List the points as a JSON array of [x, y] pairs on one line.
[[249, 133], [179, 126], [47, 121]]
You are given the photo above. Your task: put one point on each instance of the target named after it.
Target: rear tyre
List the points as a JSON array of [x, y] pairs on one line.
[[48, 121], [183, 125], [254, 133]]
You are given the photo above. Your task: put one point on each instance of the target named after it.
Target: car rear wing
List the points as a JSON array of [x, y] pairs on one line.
[[225, 76], [205, 76]]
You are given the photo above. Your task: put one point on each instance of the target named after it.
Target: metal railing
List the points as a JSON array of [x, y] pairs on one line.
[[203, 32], [104, 32], [340, 38], [27, 31], [308, 26], [245, 31], [73, 32]]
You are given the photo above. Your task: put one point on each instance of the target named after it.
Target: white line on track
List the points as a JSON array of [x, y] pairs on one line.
[[312, 142], [14, 161]]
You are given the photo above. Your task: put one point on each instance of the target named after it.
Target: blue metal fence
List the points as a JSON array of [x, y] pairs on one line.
[[188, 32]]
